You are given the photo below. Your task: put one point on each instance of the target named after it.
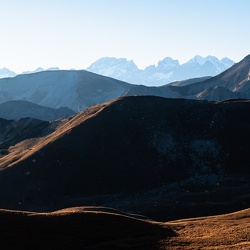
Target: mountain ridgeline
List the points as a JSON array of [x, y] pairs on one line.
[[78, 90], [166, 71]]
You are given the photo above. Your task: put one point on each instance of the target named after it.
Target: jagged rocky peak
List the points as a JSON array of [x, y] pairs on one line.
[[202, 60], [165, 71], [167, 63], [106, 62]]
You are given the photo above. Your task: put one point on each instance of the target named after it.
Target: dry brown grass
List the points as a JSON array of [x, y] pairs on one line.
[[104, 228], [28, 147], [231, 231], [81, 228]]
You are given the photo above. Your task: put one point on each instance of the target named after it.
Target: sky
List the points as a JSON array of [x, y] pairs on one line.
[[75, 33]]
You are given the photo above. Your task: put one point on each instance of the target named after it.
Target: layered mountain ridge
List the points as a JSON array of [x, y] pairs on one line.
[[75, 90], [166, 70], [5, 72], [232, 83], [78, 90]]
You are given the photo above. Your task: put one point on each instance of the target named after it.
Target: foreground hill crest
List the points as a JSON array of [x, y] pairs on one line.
[[135, 147]]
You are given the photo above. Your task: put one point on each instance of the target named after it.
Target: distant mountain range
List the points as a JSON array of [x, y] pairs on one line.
[[232, 83], [79, 89], [166, 71], [40, 70], [73, 89], [4, 72]]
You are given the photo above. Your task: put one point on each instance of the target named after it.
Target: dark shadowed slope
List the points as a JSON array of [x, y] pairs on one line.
[[101, 228], [79, 228], [13, 110], [141, 154], [12, 132]]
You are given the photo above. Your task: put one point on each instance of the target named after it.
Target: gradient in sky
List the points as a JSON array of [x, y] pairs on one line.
[[74, 33]]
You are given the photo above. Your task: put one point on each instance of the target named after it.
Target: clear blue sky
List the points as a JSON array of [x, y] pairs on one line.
[[75, 33]]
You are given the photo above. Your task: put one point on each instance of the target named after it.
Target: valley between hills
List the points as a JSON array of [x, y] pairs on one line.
[[125, 166]]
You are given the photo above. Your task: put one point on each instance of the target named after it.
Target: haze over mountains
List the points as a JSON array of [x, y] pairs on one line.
[[12, 110], [166, 71], [4, 72], [232, 83], [77, 90]]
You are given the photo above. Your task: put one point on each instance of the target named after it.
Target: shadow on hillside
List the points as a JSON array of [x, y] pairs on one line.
[[88, 230]]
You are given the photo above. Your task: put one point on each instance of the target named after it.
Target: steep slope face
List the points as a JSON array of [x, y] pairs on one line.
[[166, 71], [76, 90], [13, 110], [132, 146], [236, 79]]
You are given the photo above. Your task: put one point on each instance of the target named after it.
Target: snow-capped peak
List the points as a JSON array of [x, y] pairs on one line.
[[166, 71], [202, 60], [113, 67], [167, 63]]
